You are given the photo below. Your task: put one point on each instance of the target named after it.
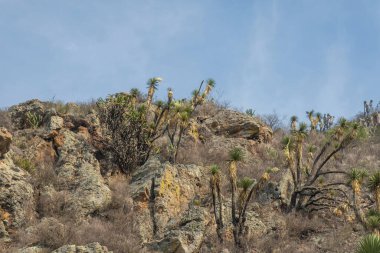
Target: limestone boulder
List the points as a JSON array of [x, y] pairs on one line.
[[234, 124], [5, 141], [164, 196]]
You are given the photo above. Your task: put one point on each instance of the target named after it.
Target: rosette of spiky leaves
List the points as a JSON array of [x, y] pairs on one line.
[[215, 175], [374, 186], [369, 244], [356, 178]]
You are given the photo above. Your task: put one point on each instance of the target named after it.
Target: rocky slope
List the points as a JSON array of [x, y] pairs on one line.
[[58, 192]]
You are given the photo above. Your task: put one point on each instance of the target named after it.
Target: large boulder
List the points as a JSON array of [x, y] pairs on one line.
[[16, 193], [78, 173], [5, 141], [94, 247], [164, 196], [28, 114], [234, 124]]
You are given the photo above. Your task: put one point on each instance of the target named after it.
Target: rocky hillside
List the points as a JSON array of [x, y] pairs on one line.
[[62, 189]]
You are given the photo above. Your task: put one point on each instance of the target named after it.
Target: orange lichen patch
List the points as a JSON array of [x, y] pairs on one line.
[[59, 140], [4, 215]]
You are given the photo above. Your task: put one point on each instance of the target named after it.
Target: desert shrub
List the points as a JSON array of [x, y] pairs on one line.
[[127, 130], [5, 119]]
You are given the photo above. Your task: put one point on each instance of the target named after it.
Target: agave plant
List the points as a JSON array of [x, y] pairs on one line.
[[369, 244], [374, 185]]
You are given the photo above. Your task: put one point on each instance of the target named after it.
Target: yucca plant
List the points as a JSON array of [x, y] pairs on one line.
[[374, 185], [293, 122], [369, 244], [244, 184], [236, 155], [373, 222], [152, 87], [215, 181]]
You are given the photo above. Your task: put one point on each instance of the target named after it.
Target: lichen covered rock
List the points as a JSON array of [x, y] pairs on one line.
[[26, 114], [78, 172], [94, 247], [238, 125]]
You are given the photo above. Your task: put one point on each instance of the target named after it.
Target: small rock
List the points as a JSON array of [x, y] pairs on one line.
[[55, 123], [94, 247]]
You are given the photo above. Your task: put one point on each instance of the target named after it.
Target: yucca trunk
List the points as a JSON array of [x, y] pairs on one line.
[[294, 125], [232, 172], [220, 205], [150, 96], [356, 199], [377, 193]]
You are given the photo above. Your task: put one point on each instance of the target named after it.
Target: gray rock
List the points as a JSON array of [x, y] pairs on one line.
[[78, 173], [16, 193], [94, 247], [5, 141], [238, 125], [34, 249], [21, 113]]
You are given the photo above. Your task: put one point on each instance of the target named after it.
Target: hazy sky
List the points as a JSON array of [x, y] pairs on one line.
[[288, 56]]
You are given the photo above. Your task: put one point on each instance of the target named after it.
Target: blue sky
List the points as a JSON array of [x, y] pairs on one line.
[[288, 56]]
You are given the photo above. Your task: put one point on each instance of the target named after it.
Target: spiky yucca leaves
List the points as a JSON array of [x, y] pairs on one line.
[[374, 185], [152, 86], [293, 122], [369, 244]]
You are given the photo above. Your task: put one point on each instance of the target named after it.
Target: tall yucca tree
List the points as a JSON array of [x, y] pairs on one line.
[[293, 122], [236, 155], [355, 180], [244, 184], [317, 120], [310, 116], [152, 87], [374, 185], [209, 86], [300, 136]]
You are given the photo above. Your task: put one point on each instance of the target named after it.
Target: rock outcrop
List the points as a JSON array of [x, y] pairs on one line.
[[78, 172], [27, 114], [238, 125], [5, 141], [94, 247], [16, 193]]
